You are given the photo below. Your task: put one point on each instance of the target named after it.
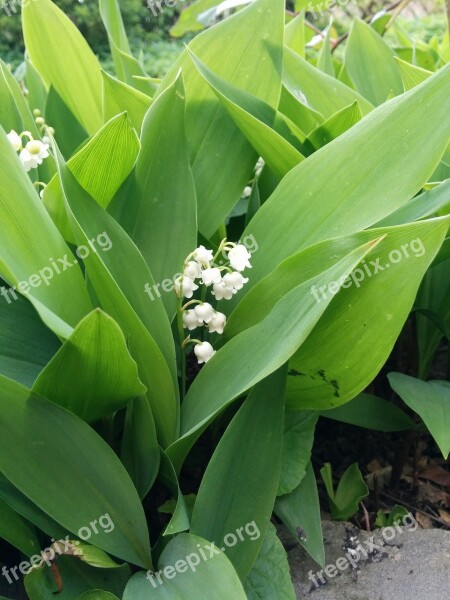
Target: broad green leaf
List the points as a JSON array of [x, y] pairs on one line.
[[306, 118], [431, 401], [249, 41], [127, 67], [119, 97], [97, 595], [433, 296], [325, 59], [26, 345], [140, 451], [424, 205], [17, 531], [100, 167], [371, 412], [370, 63], [259, 122], [337, 362], [333, 127], [298, 440], [69, 134], [9, 114], [295, 34], [185, 573], [161, 207], [188, 21], [71, 487], [246, 461], [94, 556], [119, 278], [78, 578], [270, 576], [33, 252], [300, 512], [316, 89], [269, 344], [360, 196], [56, 48], [22, 106], [411, 74], [108, 377], [351, 490], [37, 93]]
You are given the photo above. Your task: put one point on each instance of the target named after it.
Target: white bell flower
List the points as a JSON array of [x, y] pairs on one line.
[[217, 323], [204, 312], [28, 160], [190, 320], [210, 276], [15, 139], [184, 286], [235, 280], [238, 257], [204, 351], [222, 292], [38, 150], [193, 270], [203, 256]]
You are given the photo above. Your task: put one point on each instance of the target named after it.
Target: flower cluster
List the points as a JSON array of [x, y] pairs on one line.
[[33, 153], [224, 281]]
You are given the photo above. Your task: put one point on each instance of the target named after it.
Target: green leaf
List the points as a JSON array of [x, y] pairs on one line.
[[333, 127], [430, 400], [258, 122], [69, 134], [127, 67], [140, 451], [94, 556], [119, 278], [246, 461], [412, 75], [108, 375], [188, 21], [24, 507], [26, 345], [370, 63], [270, 576], [361, 195], [375, 298], [78, 578], [185, 574], [249, 41], [119, 97], [371, 412], [31, 246], [15, 93], [17, 531], [298, 440], [100, 167], [71, 487], [56, 48], [351, 490], [97, 595], [295, 34], [424, 205], [316, 89], [269, 344], [160, 208], [300, 512], [10, 116], [325, 58]]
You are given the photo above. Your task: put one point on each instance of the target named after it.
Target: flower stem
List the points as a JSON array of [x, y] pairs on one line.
[[182, 347]]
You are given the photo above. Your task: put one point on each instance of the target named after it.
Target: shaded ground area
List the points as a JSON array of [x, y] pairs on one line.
[[413, 565]]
